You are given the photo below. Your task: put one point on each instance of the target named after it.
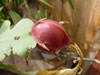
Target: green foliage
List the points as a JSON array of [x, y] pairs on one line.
[[46, 3], [16, 40], [1, 8], [5, 26], [10, 68], [43, 13], [14, 16], [3, 3], [16, 3], [2, 16], [7, 6], [29, 10], [71, 3], [31, 73]]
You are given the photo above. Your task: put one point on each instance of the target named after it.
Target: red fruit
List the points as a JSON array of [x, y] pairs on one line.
[[50, 35]]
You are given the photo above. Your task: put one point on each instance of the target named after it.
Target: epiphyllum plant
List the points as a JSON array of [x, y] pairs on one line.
[[51, 37]]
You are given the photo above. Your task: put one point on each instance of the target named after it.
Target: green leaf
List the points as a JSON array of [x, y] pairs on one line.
[[38, 16], [10, 68], [22, 45], [16, 3], [31, 73], [1, 9], [41, 11], [2, 56], [14, 16], [17, 40], [3, 2], [5, 26], [29, 10], [46, 3], [71, 3], [51, 17], [46, 13]]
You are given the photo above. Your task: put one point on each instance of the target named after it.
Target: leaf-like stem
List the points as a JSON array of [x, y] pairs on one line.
[[75, 47]]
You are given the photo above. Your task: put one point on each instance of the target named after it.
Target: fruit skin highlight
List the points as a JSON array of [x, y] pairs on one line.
[[49, 35]]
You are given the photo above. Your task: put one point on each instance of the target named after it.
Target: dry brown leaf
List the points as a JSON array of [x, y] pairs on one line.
[[66, 71]]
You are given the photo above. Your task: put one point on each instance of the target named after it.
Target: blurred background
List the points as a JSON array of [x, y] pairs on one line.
[[83, 27]]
